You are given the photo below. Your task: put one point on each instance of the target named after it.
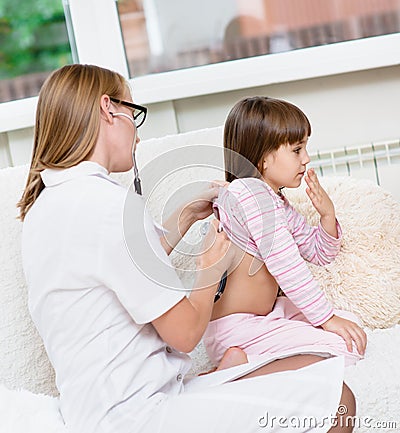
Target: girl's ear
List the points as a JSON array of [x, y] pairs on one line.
[[262, 165], [268, 159]]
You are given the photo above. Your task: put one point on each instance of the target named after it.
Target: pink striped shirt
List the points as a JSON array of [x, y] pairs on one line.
[[266, 226]]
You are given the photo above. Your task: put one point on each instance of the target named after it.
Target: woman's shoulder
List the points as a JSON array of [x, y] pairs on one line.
[[105, 198]]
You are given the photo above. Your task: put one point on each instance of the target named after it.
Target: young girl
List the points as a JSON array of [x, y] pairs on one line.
[[265, 150]]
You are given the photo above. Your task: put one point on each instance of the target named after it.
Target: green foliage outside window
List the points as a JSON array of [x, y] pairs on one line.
[[33, 37]]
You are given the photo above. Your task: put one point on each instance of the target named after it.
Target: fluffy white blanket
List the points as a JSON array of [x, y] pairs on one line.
[[374, 380], [364, 278]]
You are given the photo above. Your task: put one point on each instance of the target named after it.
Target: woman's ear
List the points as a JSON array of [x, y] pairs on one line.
[[105, 105]]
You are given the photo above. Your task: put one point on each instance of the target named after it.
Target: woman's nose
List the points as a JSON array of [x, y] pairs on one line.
[[306, 158]]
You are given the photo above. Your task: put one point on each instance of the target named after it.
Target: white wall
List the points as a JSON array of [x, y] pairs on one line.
[[350, 90], [344, 110]]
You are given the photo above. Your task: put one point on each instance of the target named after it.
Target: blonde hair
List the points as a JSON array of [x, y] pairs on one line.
[[68, 121], [258, 126]]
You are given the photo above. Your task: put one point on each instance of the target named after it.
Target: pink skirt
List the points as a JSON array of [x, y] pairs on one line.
[[284, 329]]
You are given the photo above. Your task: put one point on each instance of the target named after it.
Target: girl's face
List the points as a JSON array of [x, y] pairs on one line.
[[285, 166]]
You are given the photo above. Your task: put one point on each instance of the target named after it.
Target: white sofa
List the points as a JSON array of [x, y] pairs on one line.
[[365, 278]]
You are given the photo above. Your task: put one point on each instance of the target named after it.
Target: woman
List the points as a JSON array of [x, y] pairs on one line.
[[115, 335]]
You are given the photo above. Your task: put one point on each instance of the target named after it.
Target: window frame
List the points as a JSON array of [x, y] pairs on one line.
[[98, 40]]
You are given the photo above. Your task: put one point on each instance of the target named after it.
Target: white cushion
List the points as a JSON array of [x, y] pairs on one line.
[[24, 362], [365, 278]]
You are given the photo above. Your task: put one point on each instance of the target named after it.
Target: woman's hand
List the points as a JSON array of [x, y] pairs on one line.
[[349, 331], [216, 254], [201, 206], [321, 202], [182, 218]]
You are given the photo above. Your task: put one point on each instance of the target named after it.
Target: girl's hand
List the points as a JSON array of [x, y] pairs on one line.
[[318, 196], [322, 203], [349, 331]]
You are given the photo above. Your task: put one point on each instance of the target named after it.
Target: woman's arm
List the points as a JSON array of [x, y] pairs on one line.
[[184, 324], [175, 227]]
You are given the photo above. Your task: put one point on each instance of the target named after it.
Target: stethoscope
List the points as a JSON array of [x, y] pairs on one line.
[[138, 189], [136, 181]]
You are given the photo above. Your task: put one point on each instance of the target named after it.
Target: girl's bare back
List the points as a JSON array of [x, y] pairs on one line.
[[250, 288]]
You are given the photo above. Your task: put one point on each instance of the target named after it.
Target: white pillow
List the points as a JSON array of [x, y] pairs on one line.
[[24, 362], [365, 277]]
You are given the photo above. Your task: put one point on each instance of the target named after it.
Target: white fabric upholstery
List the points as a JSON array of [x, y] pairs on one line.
[[365, 278], [23, 360]]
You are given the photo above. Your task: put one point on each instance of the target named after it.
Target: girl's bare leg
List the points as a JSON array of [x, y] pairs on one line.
[[347, 403], [236, 356], [346, 413], [290, 363]]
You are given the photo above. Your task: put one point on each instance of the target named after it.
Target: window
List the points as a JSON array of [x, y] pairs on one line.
[[33, 41], [155, 43], [162, 36]]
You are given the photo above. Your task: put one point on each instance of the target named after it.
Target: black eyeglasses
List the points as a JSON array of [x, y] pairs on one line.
[[139, 112]]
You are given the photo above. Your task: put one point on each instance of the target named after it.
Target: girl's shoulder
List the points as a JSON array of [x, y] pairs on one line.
[[246, 182], [251, 193], [250, 186]]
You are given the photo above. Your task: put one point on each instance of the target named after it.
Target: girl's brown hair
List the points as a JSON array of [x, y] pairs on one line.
[[68, 121], [257, 126]]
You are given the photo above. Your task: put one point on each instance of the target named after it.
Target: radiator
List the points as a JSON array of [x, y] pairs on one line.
[[378, 162]]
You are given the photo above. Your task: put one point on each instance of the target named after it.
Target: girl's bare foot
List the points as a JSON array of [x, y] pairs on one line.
[[232, 357]]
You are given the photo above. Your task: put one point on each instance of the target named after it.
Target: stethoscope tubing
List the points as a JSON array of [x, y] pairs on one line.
[[136, 180]]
